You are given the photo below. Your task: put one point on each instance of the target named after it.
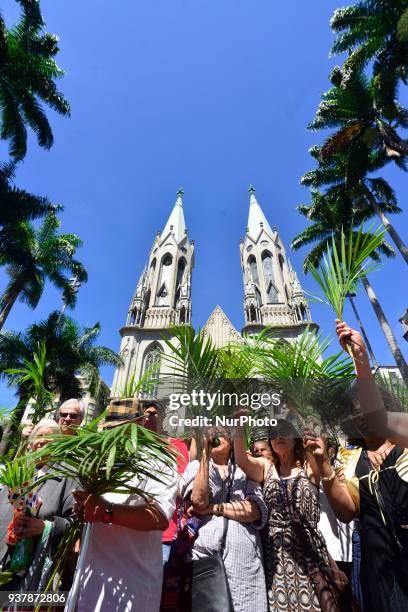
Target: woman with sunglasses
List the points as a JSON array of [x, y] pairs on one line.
[[206, 484], [293, 547]]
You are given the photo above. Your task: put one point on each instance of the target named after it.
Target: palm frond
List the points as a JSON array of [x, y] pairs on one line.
[[343, 267]]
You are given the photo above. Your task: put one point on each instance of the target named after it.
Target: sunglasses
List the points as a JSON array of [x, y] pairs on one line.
[[72, 416]]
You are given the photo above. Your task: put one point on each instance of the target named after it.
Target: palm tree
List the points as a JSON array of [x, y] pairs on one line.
[[373, 30], [27, 77], [17, 204], [366, 118], [361, 195], [328, 213], [330, 220], [70, 351], [33, 256]]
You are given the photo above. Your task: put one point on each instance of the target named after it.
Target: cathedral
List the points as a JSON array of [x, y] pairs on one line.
[[273, 296]]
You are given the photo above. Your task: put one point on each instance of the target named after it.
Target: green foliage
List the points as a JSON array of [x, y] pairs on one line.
[[32, 256], [395, 393], [32, 377], [309, 383], [343, 267], [18, 473], [70, 350], [17, 204], [27, 78], [110, 460], [195, 363], [373, 30], [132, 387]]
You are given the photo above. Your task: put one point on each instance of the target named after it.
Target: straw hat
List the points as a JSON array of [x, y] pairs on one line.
[[122, 411]]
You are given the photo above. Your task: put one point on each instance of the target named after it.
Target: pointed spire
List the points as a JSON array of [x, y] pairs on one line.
[[175, 222], [256, 219]]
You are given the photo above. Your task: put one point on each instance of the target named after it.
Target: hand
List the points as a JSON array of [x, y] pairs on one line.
[[208, 442], [27, 527], [194, 511], [351, 338], [239, 412], [91, 508], [27, 429], [314, 445]]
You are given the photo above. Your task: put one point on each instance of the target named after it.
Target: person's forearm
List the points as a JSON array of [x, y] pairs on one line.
[[245, 511], [141, 518], [252, 469], [339, 498], [193, 449], [200, 495]]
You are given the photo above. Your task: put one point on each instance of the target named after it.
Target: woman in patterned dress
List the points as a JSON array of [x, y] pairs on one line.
[[293, 547]]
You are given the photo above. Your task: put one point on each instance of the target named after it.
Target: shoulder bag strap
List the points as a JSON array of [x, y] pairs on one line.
[[227, 520]]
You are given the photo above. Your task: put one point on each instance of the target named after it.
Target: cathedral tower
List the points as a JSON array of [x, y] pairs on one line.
[[162, 298], [272, 292]]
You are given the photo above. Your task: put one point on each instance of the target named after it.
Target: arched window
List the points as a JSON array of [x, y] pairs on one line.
[[183, 315], [271, 290], [151, 368], [303, 313], [252, 313], [281, 262], [152, 269], [253, 269], [162, 297], [272, 293], [181, 266], [258, 297]]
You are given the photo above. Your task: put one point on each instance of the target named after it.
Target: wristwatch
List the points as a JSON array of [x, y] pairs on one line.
[[107, 517], [219, 509]]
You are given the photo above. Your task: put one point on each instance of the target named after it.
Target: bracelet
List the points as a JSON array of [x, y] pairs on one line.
[[329, 478]]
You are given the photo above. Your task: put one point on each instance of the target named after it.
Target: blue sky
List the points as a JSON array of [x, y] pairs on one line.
[[209, 94]]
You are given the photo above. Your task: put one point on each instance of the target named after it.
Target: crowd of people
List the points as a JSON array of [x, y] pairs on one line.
[[295, 523]]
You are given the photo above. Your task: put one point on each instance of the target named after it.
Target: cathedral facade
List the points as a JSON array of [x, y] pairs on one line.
[[273, 296]]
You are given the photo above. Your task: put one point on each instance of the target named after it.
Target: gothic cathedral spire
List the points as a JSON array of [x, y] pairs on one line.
[[272, 292], [162, 298]]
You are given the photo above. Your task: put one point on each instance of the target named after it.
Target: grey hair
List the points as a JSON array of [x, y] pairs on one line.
[[44, 424], [72, 399]]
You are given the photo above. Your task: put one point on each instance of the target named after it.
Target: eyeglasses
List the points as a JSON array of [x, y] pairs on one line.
[[72, 415]]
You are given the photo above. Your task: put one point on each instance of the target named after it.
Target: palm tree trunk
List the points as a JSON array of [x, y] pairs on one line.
[[385, 326], [7, 301], [363, 332], [396, 238]]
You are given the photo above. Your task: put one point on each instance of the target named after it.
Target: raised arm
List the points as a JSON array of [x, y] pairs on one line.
[[394, 425], [200, 495], [255, 468], [335, 488]]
